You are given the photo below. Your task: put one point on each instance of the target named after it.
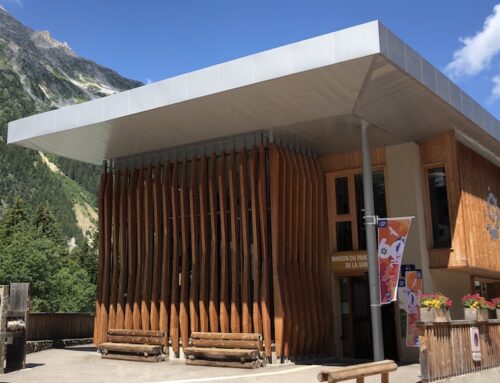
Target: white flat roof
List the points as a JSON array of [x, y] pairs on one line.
[[317, 89]]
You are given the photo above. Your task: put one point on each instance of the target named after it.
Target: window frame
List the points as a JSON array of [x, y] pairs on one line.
[[427, 204], [333, 217]]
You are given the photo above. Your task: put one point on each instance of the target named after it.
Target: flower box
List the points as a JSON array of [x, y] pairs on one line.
[[498, 313], [429, 314], [479, 315]]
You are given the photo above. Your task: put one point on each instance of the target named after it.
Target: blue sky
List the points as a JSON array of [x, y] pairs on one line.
[[151, 40]]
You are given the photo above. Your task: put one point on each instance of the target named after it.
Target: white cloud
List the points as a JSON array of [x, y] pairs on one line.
[[148, 81], [495, 92], [478, 50], [19, 3]]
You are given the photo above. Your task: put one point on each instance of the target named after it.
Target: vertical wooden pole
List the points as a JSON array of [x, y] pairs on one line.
[[132, 249], [166, 279], [298, 270], [266, 270], [120, 310], [146, 278], [108, 202], [235, 244], [302, 243], [245, 242], [224, 264], [174, 307], [204, 276], [256, 264], [157, 248], [183, 312], [195, 272], [100, 267], [292, 271], [284, 264], [115, 249], [139, 201], [214, 247], [274, 177]]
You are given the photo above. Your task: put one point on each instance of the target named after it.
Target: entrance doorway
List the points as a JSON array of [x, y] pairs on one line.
[[356, 321]]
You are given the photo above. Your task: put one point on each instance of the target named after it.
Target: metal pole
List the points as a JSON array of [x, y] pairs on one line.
[[371, 245]]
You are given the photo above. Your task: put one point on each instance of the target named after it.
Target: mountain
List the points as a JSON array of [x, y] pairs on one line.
[[39, 73]]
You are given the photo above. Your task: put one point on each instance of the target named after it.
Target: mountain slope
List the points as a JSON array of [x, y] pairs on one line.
[[38, 73]]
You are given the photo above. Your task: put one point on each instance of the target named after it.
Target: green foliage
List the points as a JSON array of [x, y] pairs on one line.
[[33, 250]]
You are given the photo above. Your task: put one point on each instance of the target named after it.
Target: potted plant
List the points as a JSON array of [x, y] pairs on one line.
[[434, 307], [476, 307], [496, 303]]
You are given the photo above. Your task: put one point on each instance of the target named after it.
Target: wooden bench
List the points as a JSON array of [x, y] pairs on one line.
[[138, 345], [242, 350], [359, 372]]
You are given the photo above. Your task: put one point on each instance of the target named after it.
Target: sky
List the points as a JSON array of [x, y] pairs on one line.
[[151, 40]]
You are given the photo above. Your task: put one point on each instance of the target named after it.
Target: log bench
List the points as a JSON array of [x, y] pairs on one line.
[[138, 345], [359, 372], [242, 350]]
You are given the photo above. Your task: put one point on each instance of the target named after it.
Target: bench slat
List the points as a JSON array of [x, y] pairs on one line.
[[226, 343], [357, 371], [128, 347], [149, 333], [136, 339], [226, 335], [221, 353]]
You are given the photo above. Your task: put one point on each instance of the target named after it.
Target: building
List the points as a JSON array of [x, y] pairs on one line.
[[244, 177]]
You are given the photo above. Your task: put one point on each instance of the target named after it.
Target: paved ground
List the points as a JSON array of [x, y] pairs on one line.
[[83, 364]]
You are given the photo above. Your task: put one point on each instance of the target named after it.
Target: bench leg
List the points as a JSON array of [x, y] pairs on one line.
[[385, 377], [360, 380]]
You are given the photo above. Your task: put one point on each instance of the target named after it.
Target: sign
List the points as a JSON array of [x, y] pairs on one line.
[[408, 294], [492, 216], [350, 263], [475, 344], [392, 235]]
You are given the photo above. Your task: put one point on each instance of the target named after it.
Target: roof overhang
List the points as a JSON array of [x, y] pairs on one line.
[[318, 90]]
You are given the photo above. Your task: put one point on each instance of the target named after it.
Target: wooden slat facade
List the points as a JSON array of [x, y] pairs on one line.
[[227, 243]]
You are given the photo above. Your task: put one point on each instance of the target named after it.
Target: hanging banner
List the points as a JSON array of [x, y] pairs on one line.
[[392, 235], [414, 288]]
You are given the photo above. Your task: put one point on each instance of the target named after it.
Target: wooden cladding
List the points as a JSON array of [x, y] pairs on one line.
[[302, 301], [470, 178], [225, 243]]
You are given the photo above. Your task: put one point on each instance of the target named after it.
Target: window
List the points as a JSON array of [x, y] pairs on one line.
[[346, 210], [438, 198]]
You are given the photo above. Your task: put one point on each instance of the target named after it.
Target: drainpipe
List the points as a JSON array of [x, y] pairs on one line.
[[371, 244]]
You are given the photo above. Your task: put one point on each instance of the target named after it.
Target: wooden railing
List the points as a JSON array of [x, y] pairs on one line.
[[56, 326], [446, 349]]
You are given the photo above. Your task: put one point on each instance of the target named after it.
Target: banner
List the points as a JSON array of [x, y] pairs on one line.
[[414, 287], [392, 234]]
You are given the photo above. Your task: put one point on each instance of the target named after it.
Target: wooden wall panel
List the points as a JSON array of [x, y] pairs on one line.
[[201, 244], [352, 160], [437, 152], [478, 178]]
